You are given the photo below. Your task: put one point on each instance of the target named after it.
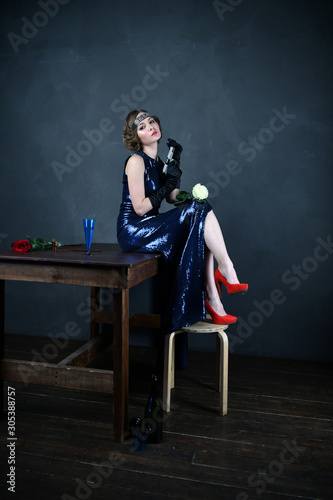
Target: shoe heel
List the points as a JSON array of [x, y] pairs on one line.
[[232, 289], [227, 319]]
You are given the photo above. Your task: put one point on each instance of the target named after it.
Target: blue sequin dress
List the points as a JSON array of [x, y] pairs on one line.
[[178, 235]]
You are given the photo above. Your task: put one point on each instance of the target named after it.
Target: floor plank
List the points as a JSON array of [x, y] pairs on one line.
[[276, 442]]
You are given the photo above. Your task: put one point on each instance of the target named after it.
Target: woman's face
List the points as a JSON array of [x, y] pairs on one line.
[[148, 131]]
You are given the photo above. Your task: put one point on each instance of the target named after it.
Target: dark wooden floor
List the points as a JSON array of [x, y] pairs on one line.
[[274, 443]]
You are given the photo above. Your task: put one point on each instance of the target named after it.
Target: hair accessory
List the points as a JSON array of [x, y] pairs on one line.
[[139, 119]]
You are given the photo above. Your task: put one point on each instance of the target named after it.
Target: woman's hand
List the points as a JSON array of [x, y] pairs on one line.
[[174, 170], [172, 197], [175, 173], [178, 149]]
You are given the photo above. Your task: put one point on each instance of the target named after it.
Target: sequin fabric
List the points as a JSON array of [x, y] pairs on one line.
[[178, 234]]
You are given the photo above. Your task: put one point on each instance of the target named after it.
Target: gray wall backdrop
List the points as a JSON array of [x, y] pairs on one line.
[[244, 86]]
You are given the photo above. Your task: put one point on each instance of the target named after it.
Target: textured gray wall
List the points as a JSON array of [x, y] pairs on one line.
[[245, 86]]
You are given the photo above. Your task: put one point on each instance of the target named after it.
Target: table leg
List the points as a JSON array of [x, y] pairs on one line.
[[120, 362], [94, 305], [2, 334]]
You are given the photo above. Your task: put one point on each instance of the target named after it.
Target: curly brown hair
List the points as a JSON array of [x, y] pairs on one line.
[[130, 137]]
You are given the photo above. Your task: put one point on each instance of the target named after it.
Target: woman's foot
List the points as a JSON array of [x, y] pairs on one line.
[[215, 307], [216, 304], [228, 276], [225, 319], [229, 273]]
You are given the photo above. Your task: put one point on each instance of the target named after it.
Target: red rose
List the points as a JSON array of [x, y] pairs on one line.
[[21, 246]]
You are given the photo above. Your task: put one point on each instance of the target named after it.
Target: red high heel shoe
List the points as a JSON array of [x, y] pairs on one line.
[[236, 289], [227, 319]]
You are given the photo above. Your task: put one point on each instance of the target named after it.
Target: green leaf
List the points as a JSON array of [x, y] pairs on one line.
[[40, 244], [182, 196]]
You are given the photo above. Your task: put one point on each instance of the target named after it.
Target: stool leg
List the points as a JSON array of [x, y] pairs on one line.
[[167, 375], [173, 361], [223, 372], [218, 364]]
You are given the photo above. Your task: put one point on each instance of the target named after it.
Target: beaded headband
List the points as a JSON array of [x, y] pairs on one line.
[[139, 119]]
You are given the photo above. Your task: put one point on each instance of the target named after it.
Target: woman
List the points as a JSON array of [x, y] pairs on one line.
[[188, 237]]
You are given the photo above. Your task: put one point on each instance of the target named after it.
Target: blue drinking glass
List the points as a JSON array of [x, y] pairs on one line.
[[88, 226]]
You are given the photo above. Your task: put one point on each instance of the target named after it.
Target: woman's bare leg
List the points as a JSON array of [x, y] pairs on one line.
[[215, 242], [215, 247], [210, 285]]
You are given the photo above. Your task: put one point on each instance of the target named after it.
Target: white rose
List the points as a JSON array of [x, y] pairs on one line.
[[200, 192]]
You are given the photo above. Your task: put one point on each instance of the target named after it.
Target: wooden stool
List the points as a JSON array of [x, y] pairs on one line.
[[222, 354]]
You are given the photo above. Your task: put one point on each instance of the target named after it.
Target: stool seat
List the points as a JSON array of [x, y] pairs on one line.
[[222, 344], [207, 326]]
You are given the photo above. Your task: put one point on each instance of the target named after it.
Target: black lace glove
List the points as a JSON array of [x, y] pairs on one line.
[[156, 197], [178, 149], [175, 158], [174, 172], [170, 181]]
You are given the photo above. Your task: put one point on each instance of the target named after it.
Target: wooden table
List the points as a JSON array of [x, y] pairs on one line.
[[106, 268]]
